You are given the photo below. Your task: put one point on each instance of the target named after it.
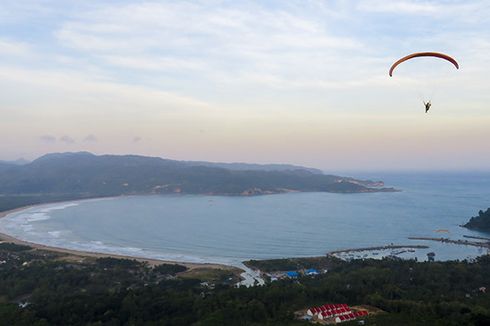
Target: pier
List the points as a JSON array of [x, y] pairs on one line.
[[377, 248], [458, 242], [473, 237]]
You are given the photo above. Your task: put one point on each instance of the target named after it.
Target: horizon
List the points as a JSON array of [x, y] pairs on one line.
[[303, 83], [358, 172]]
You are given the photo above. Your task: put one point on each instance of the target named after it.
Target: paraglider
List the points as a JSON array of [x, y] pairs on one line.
[[424, 54], [436, 55]]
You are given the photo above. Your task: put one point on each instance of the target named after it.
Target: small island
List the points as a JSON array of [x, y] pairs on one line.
[[480, 222]]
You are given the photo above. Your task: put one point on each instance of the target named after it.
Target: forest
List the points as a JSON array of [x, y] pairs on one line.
[[480, 222], [43, 288]]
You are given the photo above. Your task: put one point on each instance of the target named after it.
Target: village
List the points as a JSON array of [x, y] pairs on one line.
[[325, 314], [333, 314], [275, 276]]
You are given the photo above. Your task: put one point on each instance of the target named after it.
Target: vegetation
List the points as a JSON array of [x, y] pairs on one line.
[[116, 292], [292, 264], [55, 177], [480, 222], [7, 246], [213, 275]]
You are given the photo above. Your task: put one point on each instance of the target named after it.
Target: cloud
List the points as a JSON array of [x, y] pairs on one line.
[[198, 29], [21, 11], [93, 85], [401, 7], [232, 68], [14, 48], [67, 139], [210, 42], [47, 139], [154, 63], [464, 11], [90, 139]]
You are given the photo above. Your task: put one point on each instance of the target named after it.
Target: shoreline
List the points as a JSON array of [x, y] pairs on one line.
[[87, 254], [247, 275], [334, 252]]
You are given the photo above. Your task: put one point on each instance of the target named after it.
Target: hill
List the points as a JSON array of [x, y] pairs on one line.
[[254, 167], [480, 222], [83, 175]]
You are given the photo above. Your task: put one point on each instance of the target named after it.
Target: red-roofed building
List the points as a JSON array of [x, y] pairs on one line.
[[336, 312], [324, 315], [312, 311], [360, 313]]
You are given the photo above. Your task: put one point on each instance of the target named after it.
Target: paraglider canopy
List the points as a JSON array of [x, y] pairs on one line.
[[424, 54]]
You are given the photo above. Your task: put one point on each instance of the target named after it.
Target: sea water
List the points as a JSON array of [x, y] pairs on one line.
[[231, 229]]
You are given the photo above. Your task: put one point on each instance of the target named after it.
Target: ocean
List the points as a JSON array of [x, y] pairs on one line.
[[229, 230]]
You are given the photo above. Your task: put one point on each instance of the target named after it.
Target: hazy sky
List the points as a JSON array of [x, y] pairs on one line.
[[300, 82]]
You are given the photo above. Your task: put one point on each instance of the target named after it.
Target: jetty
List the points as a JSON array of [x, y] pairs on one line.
[[377, 248], [458, 242], [473, 237]]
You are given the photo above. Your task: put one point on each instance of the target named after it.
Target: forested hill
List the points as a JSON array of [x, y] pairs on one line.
[[86, 174], [480, 222], [253, 167]]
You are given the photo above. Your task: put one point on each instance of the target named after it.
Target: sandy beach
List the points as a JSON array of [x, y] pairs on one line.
[[83, 254]]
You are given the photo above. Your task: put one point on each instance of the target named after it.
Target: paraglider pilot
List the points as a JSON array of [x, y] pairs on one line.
[[427, 106]]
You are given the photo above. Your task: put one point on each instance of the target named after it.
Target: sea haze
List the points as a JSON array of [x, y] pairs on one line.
[[231, 229]]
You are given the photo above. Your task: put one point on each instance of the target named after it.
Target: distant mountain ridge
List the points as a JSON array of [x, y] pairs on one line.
[[19, 161], [238, 166], [84, 174]]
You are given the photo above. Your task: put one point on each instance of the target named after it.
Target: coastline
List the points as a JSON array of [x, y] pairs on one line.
[[86, 254], [15, 210]]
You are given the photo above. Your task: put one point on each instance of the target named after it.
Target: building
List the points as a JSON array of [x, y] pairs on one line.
[[325, 315], [431, 256], [311, 272], [337, 313], [292, 274]]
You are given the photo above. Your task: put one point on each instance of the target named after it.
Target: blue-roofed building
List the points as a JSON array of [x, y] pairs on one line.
[[292, 274], [311, 271]]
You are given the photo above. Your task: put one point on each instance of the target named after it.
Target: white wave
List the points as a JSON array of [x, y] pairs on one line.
[[104, 248], [22, 220], [56, 233], [33, 217], [54, 207]]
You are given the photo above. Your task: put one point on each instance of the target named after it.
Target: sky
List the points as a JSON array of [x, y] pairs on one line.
[[299, 81]]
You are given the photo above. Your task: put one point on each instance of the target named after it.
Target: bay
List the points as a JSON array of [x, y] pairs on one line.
[[230, 230]]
